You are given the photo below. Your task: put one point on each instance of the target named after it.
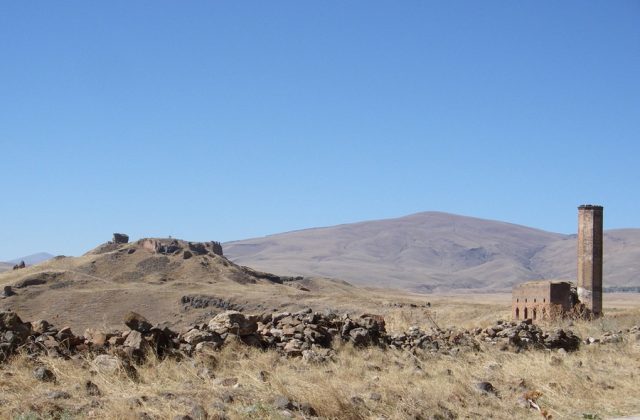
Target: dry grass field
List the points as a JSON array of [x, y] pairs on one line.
[[598, 381]]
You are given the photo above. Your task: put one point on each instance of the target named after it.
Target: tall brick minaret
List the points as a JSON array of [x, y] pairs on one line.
[[590, 257]]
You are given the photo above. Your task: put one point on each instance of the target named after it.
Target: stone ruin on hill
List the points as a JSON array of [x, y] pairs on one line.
[[174, 246], [545, 300], [164, 246], [120, 238]]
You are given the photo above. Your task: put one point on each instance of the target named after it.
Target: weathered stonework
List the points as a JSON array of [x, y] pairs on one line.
[[541, 300], [548, 299], [589, 283], [120, 238], [171, 246]]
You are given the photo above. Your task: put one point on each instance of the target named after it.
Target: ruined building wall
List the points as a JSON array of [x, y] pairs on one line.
[[540, 300], [590, 221], [530, 301]]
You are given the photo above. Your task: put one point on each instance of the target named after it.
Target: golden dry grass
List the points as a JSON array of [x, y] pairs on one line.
[[598, 381]]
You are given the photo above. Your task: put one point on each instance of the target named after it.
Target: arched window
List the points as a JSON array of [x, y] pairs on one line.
[[517, 299], [526, 313], [525, 300], [534, 300], [517, 313], [534, 313], [544, 300]]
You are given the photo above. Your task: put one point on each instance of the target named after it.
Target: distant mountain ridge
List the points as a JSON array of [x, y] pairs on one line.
[[33, 258], [28, 260], [435, 251]]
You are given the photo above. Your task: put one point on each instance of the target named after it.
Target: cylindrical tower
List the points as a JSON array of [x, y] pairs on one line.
[[590, 257]]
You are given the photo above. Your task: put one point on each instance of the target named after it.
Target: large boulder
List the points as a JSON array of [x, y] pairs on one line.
[[137, 322], [560, 339], [233, 322], [120, 238], [10, 321], [7, 291]]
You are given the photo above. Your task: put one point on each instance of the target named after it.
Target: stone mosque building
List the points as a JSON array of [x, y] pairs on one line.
[[540, 300]]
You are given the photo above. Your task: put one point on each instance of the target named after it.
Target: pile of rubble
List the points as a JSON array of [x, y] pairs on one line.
[[302, 333], [436, 340], [616, 336], [525, 335], [311, 335]]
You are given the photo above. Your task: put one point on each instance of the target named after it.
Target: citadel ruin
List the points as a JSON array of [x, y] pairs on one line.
[[541, 300]]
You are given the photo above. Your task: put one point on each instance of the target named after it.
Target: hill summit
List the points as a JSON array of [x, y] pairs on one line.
[[166, 278]]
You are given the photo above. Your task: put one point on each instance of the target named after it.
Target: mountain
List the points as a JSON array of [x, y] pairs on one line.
[[435, 251], [32, 259]]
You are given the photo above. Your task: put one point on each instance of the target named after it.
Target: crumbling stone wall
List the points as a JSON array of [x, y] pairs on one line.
[[541, 300], [173, 246], [120, 238]]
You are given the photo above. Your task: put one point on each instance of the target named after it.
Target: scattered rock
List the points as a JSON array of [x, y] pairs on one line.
[[58, 395], [106, 363], [555, 361], [92, 389], [95, 337], [282, 403], [7, 291], [233, 322], [226, 382], [40, 326], [135, 341], [205, 301], [137, 322], [486, 388], [43, 374]]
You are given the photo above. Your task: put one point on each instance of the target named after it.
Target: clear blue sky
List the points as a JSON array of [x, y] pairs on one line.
[[211, 120]]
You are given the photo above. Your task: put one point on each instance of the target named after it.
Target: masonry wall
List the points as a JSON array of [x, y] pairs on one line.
[[540, 300], [590, 236], [531, 301]]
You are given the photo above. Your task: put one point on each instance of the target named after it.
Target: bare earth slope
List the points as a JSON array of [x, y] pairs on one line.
[[434, 251]]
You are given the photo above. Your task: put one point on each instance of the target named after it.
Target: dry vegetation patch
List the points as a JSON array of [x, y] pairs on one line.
[[243, 382]]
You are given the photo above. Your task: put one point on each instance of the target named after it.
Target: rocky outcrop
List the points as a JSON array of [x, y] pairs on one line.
[[174, 246], [19, 265], [205, 301], [120, 238]]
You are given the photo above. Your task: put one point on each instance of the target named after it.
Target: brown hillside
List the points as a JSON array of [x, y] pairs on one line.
[[168, 280]]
